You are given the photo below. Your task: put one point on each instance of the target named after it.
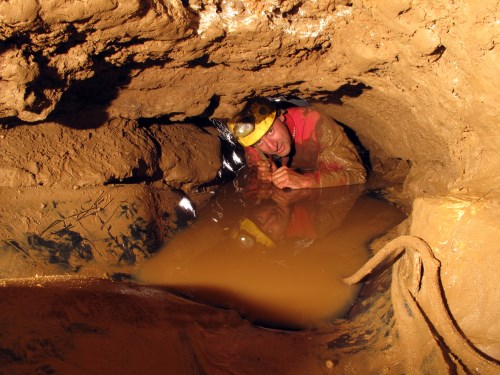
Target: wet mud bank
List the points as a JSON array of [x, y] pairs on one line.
[[90, 231], [97, 326]]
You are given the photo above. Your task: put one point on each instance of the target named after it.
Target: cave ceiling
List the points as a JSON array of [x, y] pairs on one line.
[[417, 80]]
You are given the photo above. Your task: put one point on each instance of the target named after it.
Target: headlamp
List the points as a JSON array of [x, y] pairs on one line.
[[255, 121], [242, 129]]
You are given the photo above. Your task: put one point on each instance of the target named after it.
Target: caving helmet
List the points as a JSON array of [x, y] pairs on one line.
[[253, 122], [248, 235]]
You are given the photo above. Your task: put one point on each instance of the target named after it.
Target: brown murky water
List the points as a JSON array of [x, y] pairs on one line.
[[278, 257]]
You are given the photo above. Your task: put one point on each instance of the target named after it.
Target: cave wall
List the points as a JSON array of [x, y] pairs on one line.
[[86, 87], [415, 79]]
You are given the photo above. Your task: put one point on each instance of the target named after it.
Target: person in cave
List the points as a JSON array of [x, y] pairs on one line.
[[297, 147]]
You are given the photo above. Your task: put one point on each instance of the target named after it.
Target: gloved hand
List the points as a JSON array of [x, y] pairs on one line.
[[265, 169]]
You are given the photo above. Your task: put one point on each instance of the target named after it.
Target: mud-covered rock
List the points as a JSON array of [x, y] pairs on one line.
[[51, 154], [190, 155], [87, 232], [414, 82]]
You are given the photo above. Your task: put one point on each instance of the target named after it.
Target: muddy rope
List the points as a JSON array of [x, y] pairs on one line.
[[423, 290]]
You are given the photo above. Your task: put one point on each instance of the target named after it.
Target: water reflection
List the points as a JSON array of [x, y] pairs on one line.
[[276, 256]]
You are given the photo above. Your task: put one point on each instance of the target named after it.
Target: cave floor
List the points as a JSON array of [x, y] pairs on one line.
[[90, 283]]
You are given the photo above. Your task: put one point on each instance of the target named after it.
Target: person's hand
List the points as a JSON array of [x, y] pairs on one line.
[[265, 169], [285, 177]]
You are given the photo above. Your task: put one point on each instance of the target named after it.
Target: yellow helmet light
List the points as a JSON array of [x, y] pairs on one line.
[[253, 123]]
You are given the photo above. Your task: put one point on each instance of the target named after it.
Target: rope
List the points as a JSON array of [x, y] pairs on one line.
[[425, 290]]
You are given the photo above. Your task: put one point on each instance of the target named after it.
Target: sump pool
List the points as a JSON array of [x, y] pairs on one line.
[[278, 257]]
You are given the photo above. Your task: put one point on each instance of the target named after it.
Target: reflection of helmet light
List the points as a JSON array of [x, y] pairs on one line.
[[249, 226], [245, 240], [248, 235]]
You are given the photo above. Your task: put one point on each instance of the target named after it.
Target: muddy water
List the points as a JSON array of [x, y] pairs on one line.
[[278, 257]]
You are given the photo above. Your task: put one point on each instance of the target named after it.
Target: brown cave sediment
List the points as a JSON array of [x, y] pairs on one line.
[[105, 111]]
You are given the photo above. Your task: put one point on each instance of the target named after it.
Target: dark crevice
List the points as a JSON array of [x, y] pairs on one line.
[[200, 120], [12, 122], [49, 81], [130, 64], [20, 42], [93, 94], [22, 38], [160, 120], [364, 154], [158, 173], [143, 9], [404, 11], [209, 111], [73, 39], [201, 61], [438, 52], [261, 66], [293, 11], [351, 90], [133, 180], [9, 356]]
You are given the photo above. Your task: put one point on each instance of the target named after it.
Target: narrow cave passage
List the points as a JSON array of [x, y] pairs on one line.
[[110, 156], [175, 238]]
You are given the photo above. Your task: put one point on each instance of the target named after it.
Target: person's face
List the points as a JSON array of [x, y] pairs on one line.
[[272, 220], [277, 140]]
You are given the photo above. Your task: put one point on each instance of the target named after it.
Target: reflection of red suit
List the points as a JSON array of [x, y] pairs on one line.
[[324, 210], [301, 224], [321, 147]]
